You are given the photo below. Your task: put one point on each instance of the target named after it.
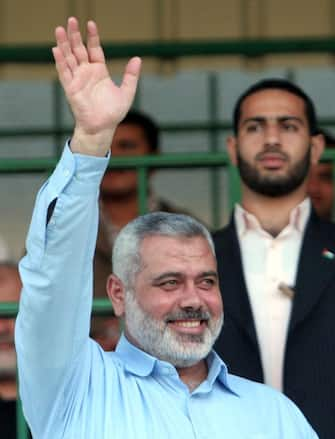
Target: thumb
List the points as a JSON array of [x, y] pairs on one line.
[[130, 79]]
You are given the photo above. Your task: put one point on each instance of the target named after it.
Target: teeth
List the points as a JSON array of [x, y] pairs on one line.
[[188, 324]]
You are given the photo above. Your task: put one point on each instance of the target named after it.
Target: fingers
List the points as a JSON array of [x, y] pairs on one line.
[[71, 51], [64, 73], [64, 48], [94, 48], [74, 36], [130, 78]]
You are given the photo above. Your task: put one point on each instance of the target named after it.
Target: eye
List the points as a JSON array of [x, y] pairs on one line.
[[253, 127], [128, 145], [169, 284], [207, 283], [289, 126]]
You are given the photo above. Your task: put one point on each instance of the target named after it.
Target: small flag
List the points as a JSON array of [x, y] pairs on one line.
[[327, 254]]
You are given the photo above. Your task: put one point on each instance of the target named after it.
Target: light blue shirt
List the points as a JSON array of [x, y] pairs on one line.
[[71, 388]]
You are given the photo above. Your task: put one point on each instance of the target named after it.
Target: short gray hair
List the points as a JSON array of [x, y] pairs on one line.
[[126, 249]]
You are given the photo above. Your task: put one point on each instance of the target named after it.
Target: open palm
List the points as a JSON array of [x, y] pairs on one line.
[[98, 105]]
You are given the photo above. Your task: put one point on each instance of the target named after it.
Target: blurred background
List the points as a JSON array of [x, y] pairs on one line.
[[198, 57]]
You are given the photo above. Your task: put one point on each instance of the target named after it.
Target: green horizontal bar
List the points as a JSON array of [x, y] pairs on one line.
[[34, 132], [328, 154], [184, 127], [172, 49], [20, 165], [163, 161], [168, 128], [176, 160], [8, 309], [100, 307]]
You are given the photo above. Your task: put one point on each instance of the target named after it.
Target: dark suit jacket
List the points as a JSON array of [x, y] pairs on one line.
[[309, 365]]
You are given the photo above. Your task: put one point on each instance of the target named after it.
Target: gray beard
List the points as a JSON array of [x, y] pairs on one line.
[[157, 339]]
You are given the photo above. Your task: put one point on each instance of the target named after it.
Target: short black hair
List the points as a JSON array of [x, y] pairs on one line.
[[278, 84], [150, 128]]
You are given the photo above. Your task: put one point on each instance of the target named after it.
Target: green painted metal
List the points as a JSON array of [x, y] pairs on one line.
[[142, 178], [21, 425], [234, 187], [8, 309], [214, 147], [59, 132], [251, 47], [102, 307], [57, 117], [175, 128], [176, 160]]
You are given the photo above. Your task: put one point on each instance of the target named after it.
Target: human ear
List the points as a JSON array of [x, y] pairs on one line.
[[116, 294], [317, 147], [232, 149]]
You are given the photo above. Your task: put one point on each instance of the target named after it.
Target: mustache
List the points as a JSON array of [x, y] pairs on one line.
[[196, 314], [272, 149]]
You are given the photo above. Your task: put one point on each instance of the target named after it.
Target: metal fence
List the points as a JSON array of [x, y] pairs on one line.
[[213, 159]]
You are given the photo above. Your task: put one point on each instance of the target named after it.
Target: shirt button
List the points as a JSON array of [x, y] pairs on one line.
[[66, 172]]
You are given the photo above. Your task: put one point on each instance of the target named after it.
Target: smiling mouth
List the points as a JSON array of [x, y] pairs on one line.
[[193, 326], [188, 323]]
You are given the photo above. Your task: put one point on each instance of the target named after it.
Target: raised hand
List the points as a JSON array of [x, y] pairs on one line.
[[98, 105]]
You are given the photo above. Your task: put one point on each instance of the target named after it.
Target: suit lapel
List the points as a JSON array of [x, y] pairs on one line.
[[235, 296], [315, 269]]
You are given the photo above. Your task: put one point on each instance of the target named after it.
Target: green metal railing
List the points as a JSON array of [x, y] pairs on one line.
[[250, 47], [214, 159]]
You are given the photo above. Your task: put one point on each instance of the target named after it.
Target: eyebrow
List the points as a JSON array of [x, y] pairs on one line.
[[281, 119], [177, 274]]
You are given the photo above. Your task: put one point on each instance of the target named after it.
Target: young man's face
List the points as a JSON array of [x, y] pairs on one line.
[[175, 310], [273, 148], [320, 189], [129, 140]]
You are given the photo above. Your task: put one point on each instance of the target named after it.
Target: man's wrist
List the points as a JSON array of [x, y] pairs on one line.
[[91, 144]]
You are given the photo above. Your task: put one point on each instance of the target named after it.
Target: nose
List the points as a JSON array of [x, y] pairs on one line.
[[191, 298], [272, 134]]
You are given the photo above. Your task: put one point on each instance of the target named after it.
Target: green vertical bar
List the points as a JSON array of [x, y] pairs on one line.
[[333, 178], [214, 147], [21, 425], [142, 180], [234, 186], [137, 98], [57, 117]]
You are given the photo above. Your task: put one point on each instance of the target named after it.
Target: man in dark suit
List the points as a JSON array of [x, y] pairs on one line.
[[320, 182], [277, 258]]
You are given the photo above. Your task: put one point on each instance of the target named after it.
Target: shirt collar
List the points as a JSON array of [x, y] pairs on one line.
[[134, 359], [246, 221], [139, 363]]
